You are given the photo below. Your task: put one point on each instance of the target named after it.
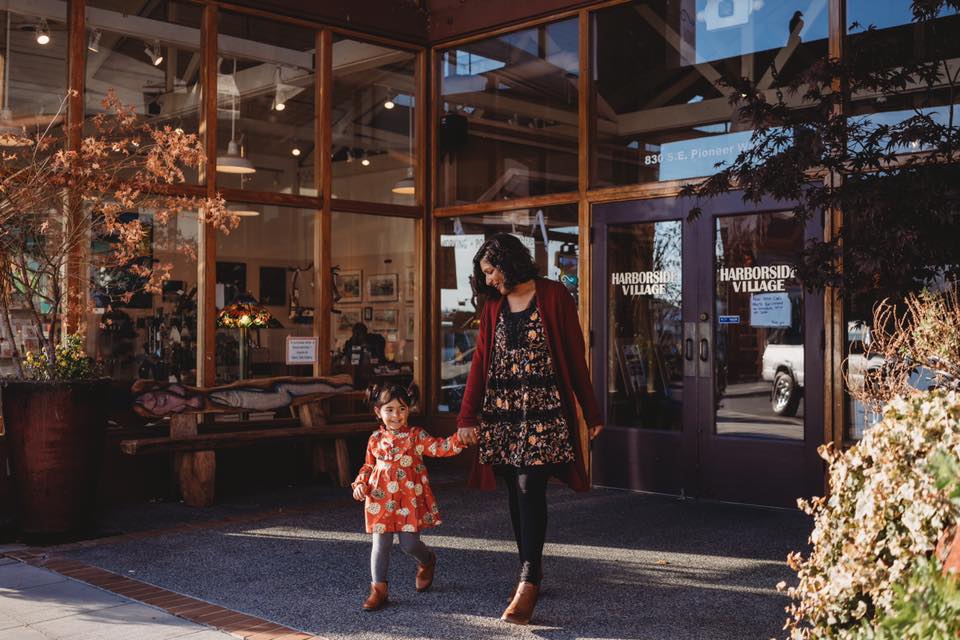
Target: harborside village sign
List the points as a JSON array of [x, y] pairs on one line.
[[757, 279], [644, 283]]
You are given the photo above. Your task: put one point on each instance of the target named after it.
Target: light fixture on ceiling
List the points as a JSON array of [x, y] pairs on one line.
[[10, 134], [233, 161], [295, 151], [366, 161], [282, 91], [405, 186], [43, 32], [93, 42], [389, 103], [156, 57]]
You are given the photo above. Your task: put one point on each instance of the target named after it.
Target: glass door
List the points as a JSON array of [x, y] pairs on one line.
[[638, 330], [704, 344]]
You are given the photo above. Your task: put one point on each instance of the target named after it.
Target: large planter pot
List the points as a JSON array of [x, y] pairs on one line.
[[56, 433]]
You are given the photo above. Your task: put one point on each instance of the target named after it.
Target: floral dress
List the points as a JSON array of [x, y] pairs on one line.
[[398, 491], [521, 422]]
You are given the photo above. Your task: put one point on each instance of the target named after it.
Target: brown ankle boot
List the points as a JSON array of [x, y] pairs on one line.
[[521, 609], [425, 573], [377, 598]]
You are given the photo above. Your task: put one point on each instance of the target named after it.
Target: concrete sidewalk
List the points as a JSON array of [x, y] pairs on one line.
[[37, 604], [617, 565]]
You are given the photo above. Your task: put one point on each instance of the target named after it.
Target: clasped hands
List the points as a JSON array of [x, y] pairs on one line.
[[468, 435]]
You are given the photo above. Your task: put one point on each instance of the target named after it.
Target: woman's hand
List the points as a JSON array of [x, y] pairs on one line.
[[468, 435], [594, 431], [360, 492]]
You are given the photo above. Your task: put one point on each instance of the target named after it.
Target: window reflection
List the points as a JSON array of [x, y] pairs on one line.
[[373, 115], [645, 351], [759, 329], [661, 110], [551, 234], [265, 105], [509, 120]]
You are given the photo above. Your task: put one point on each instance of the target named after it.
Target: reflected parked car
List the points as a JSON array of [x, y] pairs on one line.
[[783, 366]]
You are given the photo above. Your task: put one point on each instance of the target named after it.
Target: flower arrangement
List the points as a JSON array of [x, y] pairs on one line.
[[54, 199], [70, 362]]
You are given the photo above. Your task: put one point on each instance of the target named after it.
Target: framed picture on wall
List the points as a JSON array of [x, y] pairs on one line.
[[350, 285], [409, 290], [367, 314], [385, 318], [411, 323], [273, 286], [345, 320], [382, 287]]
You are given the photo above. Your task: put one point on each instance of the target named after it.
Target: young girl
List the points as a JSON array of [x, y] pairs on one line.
[[393, 483]]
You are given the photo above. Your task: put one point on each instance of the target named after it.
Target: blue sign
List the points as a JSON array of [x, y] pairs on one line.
[[729, 319]]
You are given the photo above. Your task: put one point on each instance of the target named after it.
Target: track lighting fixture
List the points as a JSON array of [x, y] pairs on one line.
[[295, 152], [154, 53], [43, 32], [93, 42], [366, 161]]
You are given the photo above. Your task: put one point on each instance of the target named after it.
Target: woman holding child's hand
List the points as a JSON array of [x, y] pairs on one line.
[[528, 373]]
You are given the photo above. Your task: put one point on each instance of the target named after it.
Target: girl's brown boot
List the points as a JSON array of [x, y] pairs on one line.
[[377, 598], [425, 573]]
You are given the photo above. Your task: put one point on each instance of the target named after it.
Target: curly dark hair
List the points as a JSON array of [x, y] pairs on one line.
[[380, 394], [508, 254]]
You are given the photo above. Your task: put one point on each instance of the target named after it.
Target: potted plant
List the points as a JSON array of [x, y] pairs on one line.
[[55, 203]]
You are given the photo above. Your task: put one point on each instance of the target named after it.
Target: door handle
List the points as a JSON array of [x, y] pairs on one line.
[[688, 349], [704, 350]]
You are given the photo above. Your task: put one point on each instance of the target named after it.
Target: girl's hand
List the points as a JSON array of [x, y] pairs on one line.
[[360, 492], [468, 435], [595, 430]]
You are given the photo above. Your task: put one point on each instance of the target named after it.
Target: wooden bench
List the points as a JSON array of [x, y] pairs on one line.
[[194, 442]]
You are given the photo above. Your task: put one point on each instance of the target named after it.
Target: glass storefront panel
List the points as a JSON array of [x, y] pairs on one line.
[[33, 74], [373, 116], [139, 334], [645, 332], [662, 111], [509, 116], [266, 264], [150, 62], [895, 41], [551, 234], [265, 105], [759, 329], [374, 324]]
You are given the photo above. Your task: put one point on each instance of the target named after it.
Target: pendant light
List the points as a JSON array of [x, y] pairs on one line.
[[10, 134], [233, 161], [406, 185]]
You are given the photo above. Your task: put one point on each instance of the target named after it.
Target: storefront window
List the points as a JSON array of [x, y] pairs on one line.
[[33, 73], [374, 324], [373, 114], [265, 270], [265, 105], [140, 334], [661, 110], [509, 116], [895, 40], [149, 61], [551, 234]]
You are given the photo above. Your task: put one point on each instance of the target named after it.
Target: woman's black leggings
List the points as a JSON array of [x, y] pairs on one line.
[[527, 488]]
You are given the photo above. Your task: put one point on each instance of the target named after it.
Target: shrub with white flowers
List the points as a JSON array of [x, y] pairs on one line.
[[882, 518]]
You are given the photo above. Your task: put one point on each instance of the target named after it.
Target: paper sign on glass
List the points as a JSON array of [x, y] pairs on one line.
[[770, 310], [301, 350]]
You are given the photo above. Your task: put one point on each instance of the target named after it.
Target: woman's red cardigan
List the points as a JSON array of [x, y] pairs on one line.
[[561, 324]]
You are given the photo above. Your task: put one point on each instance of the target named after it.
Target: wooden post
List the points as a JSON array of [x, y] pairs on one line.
[[196, 470]]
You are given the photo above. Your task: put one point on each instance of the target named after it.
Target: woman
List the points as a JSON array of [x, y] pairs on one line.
[[519, 405]]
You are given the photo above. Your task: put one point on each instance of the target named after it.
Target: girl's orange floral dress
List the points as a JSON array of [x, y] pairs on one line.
[[398, 490]]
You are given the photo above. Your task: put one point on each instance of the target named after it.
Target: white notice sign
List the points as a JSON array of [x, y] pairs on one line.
[[301, 350], [770, 310]]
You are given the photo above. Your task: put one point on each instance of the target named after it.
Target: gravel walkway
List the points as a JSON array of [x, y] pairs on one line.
[[617, 565]]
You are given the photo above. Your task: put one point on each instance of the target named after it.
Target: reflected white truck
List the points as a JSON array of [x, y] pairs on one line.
[[783, 366]]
